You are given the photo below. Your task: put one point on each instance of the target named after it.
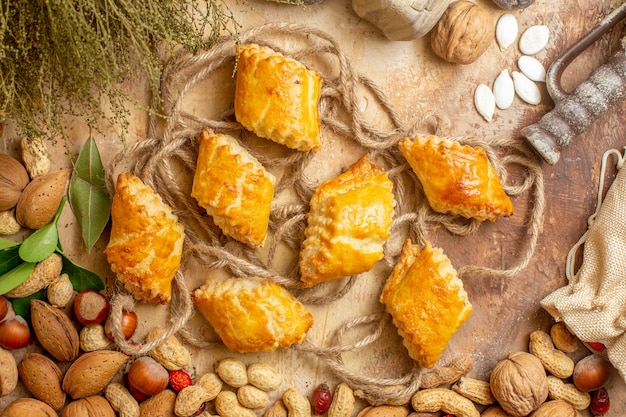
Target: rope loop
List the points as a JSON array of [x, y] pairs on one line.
[[166, 161]]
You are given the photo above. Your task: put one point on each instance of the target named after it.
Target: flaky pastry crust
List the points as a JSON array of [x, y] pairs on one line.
[[426, 301], [233, 187], [146, 243], [348, 222], [277, 97], [457, 179], [252, 314]]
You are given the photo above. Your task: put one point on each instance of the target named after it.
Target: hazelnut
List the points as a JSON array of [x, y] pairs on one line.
[[591, 373], [91, 307], [148, 376], [14, 333], [128, 325], [4, 307], [463, 33]]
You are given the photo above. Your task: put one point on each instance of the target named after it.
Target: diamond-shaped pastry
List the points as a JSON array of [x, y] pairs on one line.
[[277, 97], [456, 178], [426, 300], [348, 222], [233, 187], [146, 243], [252, 314]]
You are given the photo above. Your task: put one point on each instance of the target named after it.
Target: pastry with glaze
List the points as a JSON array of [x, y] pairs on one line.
[[457, 179], [252, 314], [348, 222], [426, 300], [146, 242], [277, 97], [233, 187]]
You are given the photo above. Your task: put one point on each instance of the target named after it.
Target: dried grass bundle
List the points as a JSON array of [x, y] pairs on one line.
[[60, 57]]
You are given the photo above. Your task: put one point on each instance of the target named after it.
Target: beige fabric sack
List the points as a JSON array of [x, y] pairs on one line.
[[593, 303]]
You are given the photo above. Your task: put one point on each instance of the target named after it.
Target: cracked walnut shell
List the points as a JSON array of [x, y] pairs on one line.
[[463, 33]]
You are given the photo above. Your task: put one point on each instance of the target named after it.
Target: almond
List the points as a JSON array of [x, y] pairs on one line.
[[28, 407], [54, 330], [42, 377], [93, 406], [40, 199], [8, 372], [13, 179], [92, 372]]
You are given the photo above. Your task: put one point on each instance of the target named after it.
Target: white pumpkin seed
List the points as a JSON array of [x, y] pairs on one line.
[[504, 90], [534, 39], [485, 102], [532, 68], [506, 30], [526, 89]]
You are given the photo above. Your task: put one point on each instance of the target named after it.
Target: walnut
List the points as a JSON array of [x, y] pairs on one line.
[[556, 408], [519, 383], [463, 33]]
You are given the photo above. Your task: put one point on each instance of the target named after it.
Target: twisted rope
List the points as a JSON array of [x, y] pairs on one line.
[[170, 151]]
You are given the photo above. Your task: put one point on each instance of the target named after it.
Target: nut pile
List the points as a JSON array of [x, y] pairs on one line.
[[29, 192], [100, 381], [542, 382]]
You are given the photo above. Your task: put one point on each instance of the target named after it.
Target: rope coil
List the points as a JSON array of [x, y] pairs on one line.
[[172, 145]]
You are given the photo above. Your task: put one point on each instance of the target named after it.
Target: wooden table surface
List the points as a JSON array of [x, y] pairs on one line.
[[506, 310]]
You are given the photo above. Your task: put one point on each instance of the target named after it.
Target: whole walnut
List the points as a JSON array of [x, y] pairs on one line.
[[519, 383], [556, 408], [463, 33]]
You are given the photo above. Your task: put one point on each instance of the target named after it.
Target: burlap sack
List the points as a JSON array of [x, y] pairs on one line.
[[593, 303]]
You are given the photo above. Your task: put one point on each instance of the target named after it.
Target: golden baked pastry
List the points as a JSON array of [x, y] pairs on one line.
[[234, 188], [457, 179], [252, 314], [277, 97], [348, 222], [426, 301], [146, 243]]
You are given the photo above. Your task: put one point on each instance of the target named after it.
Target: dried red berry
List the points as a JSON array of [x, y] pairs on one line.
[[179, 379], [600, 402], [320, 399], [597, 346]]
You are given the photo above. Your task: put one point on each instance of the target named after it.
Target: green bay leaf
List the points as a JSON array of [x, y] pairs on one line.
[[81, 278], [21, 306], [15, 276], [41, 244], [9, 259], [89, 198], [7, 243]]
